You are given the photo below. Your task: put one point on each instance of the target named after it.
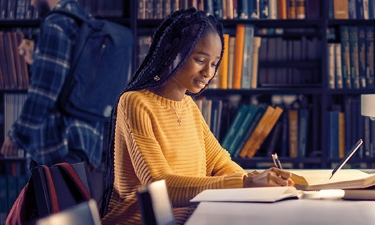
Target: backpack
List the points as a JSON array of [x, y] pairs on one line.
[[100, 68]]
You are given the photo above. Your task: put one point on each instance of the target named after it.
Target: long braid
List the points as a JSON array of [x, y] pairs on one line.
[[172, 44]]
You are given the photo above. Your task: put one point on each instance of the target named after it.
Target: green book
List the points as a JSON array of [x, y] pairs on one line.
[[234, 127], [243, 127], [249, 131]]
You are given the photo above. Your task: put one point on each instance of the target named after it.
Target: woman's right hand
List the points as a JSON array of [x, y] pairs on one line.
[[271, 177], [26, 49]]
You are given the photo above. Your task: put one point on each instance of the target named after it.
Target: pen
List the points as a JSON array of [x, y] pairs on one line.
[[347, 157], [276, 161]]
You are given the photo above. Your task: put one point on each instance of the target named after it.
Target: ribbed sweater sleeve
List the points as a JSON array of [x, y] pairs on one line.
[[151, 145]]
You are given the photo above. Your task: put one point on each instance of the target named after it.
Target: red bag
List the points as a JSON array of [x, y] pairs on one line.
[[24, 209], [50, 190]]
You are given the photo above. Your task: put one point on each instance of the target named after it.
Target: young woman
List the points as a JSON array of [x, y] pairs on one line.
[[158, 132]]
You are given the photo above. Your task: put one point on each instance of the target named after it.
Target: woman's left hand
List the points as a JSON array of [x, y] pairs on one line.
[[268, 178]]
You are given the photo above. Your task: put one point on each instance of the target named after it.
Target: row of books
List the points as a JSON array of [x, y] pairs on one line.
[[107, 8], [254, 59], [345, 126], [13, 103], [250, 61], [17, 9], [258, 128], [234, 9], [21, 9], [351, 9], [351, 61], [14, 72]]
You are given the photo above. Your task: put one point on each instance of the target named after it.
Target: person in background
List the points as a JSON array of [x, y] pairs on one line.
[[157, 131], [42, 130]]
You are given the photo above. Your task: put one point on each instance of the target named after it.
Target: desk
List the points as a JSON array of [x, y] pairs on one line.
[[287, 212]]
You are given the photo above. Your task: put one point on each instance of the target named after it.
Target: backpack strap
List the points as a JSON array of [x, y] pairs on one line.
[[67, 13], [69, 170]]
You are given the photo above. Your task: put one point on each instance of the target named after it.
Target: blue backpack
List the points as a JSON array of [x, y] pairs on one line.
[[100, 68]]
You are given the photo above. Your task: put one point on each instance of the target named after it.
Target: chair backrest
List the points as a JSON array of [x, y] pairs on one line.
[[86, 213], [155, 205]]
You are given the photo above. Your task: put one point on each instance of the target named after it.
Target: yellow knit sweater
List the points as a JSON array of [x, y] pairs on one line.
[[150, 145]]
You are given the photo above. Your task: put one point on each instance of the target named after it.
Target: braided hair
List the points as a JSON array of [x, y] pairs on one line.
[[172, 44]]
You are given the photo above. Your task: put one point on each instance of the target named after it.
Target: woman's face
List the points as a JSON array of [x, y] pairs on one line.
[[200, 67]]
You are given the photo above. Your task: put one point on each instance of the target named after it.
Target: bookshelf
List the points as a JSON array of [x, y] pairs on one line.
[[318, 25]]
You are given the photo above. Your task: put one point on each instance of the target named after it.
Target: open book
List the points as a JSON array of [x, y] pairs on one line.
[[262, 194], [343, 179]]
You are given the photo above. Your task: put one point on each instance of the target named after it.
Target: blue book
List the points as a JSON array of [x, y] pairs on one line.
[[352, 11], [284, 134], [371, 9], [218, 8], [209, 7], [362, 56], [359, 10], [353, 50], [234, 126], [345, 56], [243, 9], [254, 123], [253, 11], [244, 126], [263, 9], [247, 57]]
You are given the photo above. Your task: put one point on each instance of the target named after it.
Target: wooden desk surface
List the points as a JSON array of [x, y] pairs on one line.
[[287, 212]]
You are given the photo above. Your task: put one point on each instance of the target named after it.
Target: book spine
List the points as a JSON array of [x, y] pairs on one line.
[[234, 126], [331, 65], [338, 67], [232, 46], [282, 9], [218, 9], [263, 9], [359, 9], [229, 9], [300, 9], [255, 62], [366, 13], [341, 135], [238, 56], [243, 127], [257, 131], [250, 130], [272, 8], [254, 9], [247, 57], [223, 69], [369, 49], [371, 9], [293, 133], [352, 12], [362, 56], [345, 56], [291, 9], [243, 9], [340, 9], [353, 50]]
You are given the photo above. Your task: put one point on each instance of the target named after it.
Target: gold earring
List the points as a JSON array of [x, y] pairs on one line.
[[156, 78]]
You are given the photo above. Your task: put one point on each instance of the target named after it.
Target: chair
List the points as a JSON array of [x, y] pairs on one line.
[[155, 205], [85, 213]]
